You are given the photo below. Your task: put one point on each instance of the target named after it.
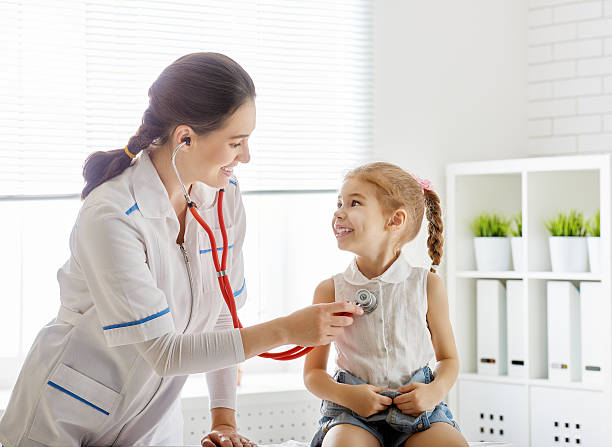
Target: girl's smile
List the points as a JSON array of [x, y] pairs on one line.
[[342, 231]]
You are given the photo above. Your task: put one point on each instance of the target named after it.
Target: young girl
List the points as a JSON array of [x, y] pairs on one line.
[[383, 391]]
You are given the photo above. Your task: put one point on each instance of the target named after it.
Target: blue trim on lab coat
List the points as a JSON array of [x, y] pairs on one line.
[[133, 323], [241, 289], [208, 250], [132, 209], [64, 390]]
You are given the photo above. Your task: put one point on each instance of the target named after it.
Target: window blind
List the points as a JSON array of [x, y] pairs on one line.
[[75, 76]]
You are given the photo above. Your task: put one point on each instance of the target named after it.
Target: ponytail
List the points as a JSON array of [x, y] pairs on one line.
[[435, 240], [104, 165]]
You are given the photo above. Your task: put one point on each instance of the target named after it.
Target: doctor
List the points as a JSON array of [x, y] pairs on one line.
[[140, 304]]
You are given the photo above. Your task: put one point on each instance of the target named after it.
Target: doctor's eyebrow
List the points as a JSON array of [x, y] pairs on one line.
[[238, 136]]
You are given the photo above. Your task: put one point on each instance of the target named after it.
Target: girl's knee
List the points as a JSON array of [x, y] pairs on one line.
[[348, 434], [439, 434]]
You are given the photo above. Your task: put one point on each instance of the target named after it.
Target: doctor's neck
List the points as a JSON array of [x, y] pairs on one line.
[[160, 157]]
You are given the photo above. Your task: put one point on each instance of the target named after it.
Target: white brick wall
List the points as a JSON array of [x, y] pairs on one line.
[[569, 76]]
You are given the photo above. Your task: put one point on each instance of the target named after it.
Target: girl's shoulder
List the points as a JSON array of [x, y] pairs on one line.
[[325, 291]]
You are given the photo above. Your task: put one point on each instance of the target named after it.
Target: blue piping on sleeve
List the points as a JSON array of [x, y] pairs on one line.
[[241, 289], [133, 323], [79, 398], [233, 182]]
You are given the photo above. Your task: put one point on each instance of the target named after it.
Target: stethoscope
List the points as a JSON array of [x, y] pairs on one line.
[[364, 298]]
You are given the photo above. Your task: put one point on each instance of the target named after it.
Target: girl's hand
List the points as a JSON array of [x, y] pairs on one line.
[[365, 400], [417, 398], [317, 325], [226, 436]]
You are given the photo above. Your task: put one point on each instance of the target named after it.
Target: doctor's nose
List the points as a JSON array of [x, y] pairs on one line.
[[245, 155]]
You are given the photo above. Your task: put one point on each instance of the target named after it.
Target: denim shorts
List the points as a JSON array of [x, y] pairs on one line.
[[391, 427]]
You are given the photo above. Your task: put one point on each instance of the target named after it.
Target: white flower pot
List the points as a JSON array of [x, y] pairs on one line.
[[594, 246], [568, 253], [517, 253], [492, 253]]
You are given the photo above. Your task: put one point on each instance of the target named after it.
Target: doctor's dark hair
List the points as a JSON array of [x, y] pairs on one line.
[[200, 90], [398, 189]]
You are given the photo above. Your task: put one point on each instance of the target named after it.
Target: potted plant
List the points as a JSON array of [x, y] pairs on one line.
[[516, 241], [491, 244], [567, 242], [593, 244]]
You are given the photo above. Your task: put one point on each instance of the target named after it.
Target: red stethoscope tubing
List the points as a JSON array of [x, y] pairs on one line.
[[224, 284]]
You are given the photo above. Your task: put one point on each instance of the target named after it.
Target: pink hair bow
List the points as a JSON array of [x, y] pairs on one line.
[[424, 184]]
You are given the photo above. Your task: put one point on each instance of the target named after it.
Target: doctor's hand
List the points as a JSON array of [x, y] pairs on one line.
[[365, 400], [318, 324], [417, 398], [226, 436]]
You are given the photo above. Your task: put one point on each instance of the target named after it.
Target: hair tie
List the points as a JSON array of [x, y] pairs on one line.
[[434, 267], [424, 184], [129, 154]]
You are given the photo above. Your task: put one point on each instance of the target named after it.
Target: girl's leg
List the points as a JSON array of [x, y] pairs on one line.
[[440, 434], [349, 435]]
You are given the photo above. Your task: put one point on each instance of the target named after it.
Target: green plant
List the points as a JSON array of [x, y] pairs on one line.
[[490, 225], [571, 224], [517, 229], [592, 226]]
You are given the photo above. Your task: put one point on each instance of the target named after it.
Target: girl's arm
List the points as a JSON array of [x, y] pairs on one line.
[[362, 399], [443, 340], [316, 379]]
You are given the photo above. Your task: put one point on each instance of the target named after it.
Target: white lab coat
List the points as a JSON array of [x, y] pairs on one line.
[[83, 381]]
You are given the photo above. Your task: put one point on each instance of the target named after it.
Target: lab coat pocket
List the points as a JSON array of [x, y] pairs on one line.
[[209, 273], [71, 407]]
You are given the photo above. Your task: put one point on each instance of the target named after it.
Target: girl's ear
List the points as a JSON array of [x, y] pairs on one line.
[[397, 220]]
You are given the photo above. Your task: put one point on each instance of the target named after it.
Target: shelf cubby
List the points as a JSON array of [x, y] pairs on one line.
[[550, 193], [539, 188]]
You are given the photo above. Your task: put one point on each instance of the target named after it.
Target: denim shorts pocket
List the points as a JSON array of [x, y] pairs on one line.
[[443, 414], [340, 377], [423, 422], [443, 407], [428, 374], [331, 409]]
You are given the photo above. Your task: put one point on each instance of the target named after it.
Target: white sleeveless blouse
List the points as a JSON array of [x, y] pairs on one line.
[[387, 346]]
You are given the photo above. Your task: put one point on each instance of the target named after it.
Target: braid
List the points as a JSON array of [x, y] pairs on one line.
[[435, 240], [148, 132], [104, 165]]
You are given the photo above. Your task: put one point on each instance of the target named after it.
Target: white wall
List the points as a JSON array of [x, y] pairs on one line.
[[570, 76], [450, 85]]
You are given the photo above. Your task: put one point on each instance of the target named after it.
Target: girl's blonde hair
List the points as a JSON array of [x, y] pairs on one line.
[[397, 189]]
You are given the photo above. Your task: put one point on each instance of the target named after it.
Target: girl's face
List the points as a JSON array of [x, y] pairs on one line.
[[359, 223], [213, 156]]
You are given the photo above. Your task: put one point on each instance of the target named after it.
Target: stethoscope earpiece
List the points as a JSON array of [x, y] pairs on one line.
[[187, 140], [366, 300]]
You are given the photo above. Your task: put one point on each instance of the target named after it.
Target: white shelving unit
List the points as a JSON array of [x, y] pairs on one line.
[[532, 411]]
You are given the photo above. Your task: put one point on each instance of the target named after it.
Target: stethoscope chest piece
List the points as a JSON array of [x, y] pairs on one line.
[[366, 300]]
